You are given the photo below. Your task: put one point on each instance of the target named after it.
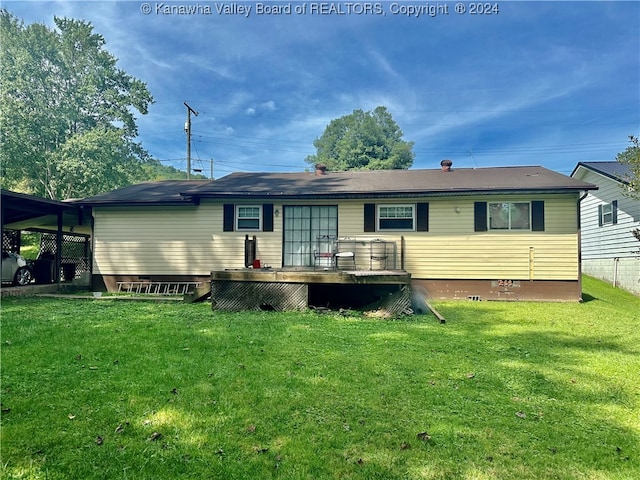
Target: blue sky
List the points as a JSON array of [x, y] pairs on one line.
[[537, 83]]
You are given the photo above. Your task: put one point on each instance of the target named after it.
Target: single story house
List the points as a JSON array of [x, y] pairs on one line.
[[480, 233], [607, 217]]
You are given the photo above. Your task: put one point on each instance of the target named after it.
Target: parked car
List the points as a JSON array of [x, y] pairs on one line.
[[15, 269]]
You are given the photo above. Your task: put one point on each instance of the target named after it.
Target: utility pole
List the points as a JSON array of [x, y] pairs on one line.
[[187, 129]]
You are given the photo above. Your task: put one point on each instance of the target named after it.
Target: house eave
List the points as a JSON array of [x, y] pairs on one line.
[[404, 194]]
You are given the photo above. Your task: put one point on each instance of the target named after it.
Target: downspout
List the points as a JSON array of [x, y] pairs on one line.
[[580, 245], [615, 271]]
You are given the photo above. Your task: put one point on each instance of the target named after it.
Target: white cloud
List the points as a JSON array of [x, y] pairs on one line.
[[269, 106], [267, 87]]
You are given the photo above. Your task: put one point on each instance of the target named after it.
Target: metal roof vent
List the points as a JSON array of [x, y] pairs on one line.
[[446, 165]]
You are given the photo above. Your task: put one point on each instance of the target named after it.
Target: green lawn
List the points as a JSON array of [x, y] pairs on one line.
[[107, 389]]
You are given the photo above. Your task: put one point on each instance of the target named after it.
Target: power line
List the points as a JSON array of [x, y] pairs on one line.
[[292, 147], [240, 142]]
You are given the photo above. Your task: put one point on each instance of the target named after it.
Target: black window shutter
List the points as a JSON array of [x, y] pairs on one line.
[[422, 217], [614, 211], [267, 217], [537, 216], [228, 217], [600, 215], [369, 217], [480, 216]]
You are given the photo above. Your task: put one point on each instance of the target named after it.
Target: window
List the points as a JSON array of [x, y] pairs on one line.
[[248, 217], [396, 217], [509, 216], [608, 213]]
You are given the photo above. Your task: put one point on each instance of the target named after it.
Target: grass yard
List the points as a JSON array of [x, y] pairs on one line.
[[106, 389]]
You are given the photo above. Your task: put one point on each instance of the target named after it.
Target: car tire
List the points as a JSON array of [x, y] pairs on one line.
[[23, 276]]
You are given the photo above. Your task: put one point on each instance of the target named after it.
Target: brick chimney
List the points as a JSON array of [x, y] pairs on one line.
[[321, 169], [446, 165]]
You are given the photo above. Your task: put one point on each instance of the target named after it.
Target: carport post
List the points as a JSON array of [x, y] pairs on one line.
[[56, 277]]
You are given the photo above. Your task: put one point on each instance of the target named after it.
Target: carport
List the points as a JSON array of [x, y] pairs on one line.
[[59, 222]]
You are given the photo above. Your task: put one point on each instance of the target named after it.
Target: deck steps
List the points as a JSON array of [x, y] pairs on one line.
[[199, 294]]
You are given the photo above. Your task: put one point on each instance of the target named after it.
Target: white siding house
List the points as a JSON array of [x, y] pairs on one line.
[[607, 218]]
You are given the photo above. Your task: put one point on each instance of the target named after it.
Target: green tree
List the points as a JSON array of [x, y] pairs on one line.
[[66, 111], [631, 158], [363, 141], [154, 170]]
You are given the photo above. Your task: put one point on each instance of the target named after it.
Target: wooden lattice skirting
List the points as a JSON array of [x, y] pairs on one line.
[[237, 296]]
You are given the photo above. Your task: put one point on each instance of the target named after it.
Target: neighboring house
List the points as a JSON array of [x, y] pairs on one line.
[[607, 217], [487, 233]]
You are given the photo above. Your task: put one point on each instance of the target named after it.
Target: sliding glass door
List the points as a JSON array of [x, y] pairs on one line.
[[302, 226]]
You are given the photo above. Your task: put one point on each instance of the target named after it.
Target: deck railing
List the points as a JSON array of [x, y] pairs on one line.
[[369, 253]]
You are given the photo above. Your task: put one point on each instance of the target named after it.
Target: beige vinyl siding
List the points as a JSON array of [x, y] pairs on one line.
[[229, 246], [173, 241], [189, 240], [451, 248], [151, 240]]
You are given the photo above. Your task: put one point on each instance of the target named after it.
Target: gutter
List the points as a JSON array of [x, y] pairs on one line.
[[171, 203], [369, 195]]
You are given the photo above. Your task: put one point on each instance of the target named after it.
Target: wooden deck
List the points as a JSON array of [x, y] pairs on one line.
[[352, 277], [271, 289]]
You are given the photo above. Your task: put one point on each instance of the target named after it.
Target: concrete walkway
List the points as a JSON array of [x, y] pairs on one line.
[[156, 298], [29, 290]]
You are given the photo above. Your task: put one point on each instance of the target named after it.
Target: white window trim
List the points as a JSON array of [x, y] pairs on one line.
[[237, 218], [413, 217], [509, 228]]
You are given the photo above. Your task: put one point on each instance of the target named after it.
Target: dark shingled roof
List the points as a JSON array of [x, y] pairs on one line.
[[615, 170], [371, 183], [351, 184], [165, 192]]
